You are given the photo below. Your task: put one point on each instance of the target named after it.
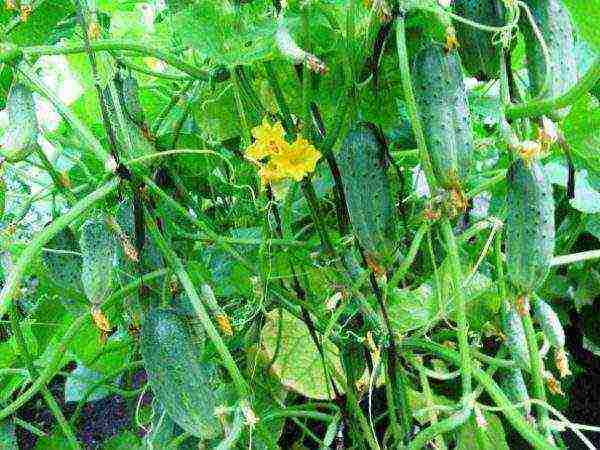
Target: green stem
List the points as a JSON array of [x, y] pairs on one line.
[[477, 25], [438, 428], [541, 107], [575, 257], [78, 126], [141, 69], [33, 373], [433, 418], [49, 370], [512, 414], [487, 184], [461, 319], [120, 45], [167, 109], [12, 282], [410, 257], [179, 269], [279, 98], [537, 372]]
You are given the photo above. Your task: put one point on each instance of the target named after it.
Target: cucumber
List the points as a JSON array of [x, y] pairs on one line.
[[512, 327], [185, 385], [98, 248], [20, 139], [549, 322], [444, 110], [130, 101], [514, 387], [554, 22], [2, 196], [529, 225], [479, 54], [362, 163]]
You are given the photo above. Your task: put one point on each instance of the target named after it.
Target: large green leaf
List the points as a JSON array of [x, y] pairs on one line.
[[228, 34], [582, 131], [586, 16], [298, 364]]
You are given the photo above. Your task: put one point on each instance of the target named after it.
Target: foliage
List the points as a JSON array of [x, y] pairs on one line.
[[264, 224]]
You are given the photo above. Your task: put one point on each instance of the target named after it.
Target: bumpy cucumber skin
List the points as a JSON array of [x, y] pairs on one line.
[[180, 380], [130, 99], [444, 109], [479, 55], [554, 23], [21, 137], [514, 387], [362, 163], [512, 327], [529, 225], [549, 322]]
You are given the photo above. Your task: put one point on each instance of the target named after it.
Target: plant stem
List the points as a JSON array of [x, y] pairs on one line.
[[575, 257], [410, 257], [463, 341], [411, 103], [121, 45], [441, 427], [541, 107], [179, 269], [33, 373], [511, 413], [49, 370], [12, 282], [487, 184], [537, 371]]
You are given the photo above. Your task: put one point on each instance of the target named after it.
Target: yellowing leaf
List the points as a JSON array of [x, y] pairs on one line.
[[298, 364]]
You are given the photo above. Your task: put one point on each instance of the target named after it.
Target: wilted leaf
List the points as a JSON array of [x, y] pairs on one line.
[[298, 364]]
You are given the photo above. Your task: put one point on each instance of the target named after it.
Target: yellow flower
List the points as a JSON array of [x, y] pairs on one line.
[[299, 159], [269, 173], [268, 140]]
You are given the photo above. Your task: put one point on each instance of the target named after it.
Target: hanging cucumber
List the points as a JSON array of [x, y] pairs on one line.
[[549, 323], [513, 385], [512, 327], [362, 162], [479, 54], [21, 136], [185, 385], [529, 225], [554, 23], [444, 110]]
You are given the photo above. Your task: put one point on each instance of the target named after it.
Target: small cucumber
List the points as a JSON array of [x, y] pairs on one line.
[[529, 225], [549, 322], [512, 327], [444, 110], [185, 385], [98, 248], [21, 136]]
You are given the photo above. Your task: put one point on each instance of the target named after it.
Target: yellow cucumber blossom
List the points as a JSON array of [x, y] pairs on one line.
[[279, 159]]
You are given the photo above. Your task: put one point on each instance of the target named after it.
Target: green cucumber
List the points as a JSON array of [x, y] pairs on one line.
[[98, 248], [130, 101], [2, 196], [513, 385], [186, 386], [479, 54], [549, 322], [554, 23], [444, 110], [513, 329], [362, 162], [20, 139], [529, 225]]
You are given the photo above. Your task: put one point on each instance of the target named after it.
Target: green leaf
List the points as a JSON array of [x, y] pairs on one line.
[[56, 441], [99, 250], [586, 16], [592, 225], [472, 436], [298, 364], [126, 440], [226, 33], [88, 348], [581, 131], [8, 438]]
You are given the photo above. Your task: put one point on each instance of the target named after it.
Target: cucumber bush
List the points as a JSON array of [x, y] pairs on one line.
[[281, 211]]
